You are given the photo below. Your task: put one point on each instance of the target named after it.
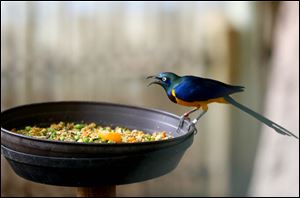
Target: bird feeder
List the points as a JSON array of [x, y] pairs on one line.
[[94, 168]]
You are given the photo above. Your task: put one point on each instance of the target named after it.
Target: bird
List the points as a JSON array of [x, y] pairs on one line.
[[198, 92]]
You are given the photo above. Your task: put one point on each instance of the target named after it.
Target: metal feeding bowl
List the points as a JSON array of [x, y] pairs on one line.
[[92, 164]]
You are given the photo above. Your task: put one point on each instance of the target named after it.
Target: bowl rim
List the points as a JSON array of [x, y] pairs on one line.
[[181, 136]]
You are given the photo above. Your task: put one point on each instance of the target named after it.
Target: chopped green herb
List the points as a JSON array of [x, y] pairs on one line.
[[53, 135], [85, 139], [79, 126]]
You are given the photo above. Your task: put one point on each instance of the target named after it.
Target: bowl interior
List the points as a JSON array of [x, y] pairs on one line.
[[105, 114]]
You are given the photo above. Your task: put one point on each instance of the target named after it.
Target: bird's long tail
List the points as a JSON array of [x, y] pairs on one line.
[[261, 118]]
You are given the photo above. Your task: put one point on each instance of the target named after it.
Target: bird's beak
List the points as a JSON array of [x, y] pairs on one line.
[[156, 81], [150, 77]]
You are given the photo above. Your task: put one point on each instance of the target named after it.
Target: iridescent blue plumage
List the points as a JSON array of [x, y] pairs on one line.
[[193, 88]]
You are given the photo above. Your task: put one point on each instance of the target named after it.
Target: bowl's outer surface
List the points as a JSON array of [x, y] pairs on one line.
[[89, 164]]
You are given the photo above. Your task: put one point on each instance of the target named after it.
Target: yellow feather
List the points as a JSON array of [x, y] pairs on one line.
[[202, 104]]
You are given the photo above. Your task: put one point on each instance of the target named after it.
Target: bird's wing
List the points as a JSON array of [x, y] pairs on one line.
[[192, 88]]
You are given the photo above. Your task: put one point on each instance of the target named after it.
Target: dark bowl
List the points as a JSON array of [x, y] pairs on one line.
[[91, 164]]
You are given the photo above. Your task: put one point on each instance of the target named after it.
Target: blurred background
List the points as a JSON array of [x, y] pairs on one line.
[[102, 51]]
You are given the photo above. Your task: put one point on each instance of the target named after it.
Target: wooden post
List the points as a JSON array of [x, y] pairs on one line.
[[99, 191]]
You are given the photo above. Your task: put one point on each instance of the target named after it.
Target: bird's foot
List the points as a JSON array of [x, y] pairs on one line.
[[192, 126], [181, 121]]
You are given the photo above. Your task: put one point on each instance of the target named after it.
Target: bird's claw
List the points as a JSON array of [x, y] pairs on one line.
[[193, 124], [181, 122]]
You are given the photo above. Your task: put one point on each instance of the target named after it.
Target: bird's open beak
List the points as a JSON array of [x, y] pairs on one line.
[[156, 81]]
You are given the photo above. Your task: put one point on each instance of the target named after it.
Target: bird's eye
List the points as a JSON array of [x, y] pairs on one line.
[[164, 79]]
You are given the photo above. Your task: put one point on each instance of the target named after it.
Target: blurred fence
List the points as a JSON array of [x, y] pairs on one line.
[[102, 51], [62, 45]]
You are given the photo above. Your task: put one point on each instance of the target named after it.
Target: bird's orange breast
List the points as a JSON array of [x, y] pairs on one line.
[[198, 104]]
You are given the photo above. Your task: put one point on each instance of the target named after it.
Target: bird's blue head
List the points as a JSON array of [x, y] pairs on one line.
[[164, 79]]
